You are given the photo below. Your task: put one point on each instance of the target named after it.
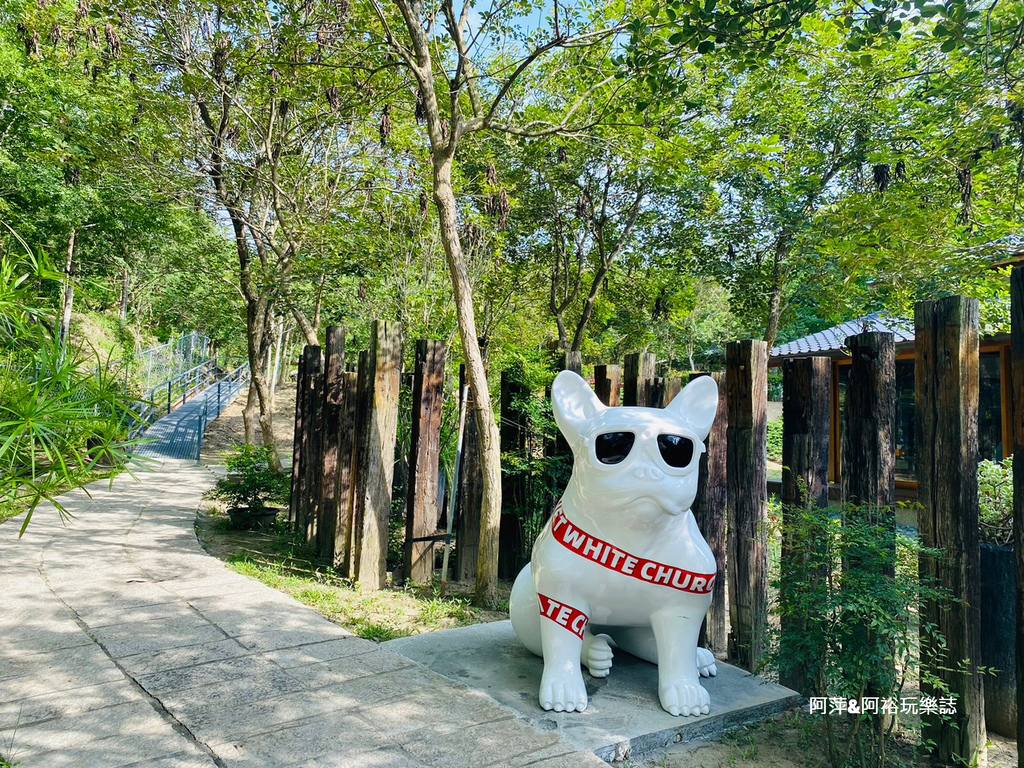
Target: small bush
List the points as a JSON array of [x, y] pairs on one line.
[[847, 608], [995, 497], [251, 482], [775, 440]]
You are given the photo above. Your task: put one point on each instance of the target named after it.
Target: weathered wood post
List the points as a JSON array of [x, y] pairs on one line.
[[422, 511], [363, 379], [869, 459], [947, 382], [331, 426], [639, 379], [513, 433], [313, 446], [1017, 404], [470, 488], [806, 403], [747, 471], [384, 365], [300, 413], [608, 384], [659, 394], [309, 449], [710, 509], [673, 386], [348, 456]]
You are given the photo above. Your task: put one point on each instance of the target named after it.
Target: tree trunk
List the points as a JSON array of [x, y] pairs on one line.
[[775, 306], [122, 311], [69, 294], [487, 427]]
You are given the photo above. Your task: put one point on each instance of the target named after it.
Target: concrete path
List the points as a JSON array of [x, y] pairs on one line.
[[123, 643]]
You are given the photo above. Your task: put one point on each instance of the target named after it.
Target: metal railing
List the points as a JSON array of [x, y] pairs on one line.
[[162, 399], [228, 388]]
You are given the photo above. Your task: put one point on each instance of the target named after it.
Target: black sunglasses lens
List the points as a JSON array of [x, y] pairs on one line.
[[677, 451], [614, 447]]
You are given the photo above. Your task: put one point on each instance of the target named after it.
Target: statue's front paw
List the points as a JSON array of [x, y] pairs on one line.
[[563, 691], [597, 655], [706, 665], [684, 696]]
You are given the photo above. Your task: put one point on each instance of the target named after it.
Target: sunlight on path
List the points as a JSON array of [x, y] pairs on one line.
[[124, 643]]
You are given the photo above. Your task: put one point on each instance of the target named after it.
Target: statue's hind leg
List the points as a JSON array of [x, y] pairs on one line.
[[640, 642]]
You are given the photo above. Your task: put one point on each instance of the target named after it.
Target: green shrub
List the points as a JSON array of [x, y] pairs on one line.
[[251, 482], [849, 626], [995, 497], [775, 440]]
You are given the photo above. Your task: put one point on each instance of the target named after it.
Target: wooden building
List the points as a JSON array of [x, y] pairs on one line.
[[994, 435]]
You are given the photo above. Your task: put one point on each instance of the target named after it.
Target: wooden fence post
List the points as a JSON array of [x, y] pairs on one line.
[[513, 434], [947, 383], [639, 379], [747, 471], [659, 394], [470, 487], [806, 405], [363, 379], [310, 466], [673, 386], [710, 508], [299, 435], [331, 426], [608, 384], [348, 456], [1017, 401], [573, 361], [384, 365], [424, 460]]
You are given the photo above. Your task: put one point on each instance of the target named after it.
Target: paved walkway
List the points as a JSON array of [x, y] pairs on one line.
[[123, 643]]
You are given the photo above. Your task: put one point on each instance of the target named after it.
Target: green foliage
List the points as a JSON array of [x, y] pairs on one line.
[[250, 482], [995, 497], [775, 440], [848, 598], [60, 422]]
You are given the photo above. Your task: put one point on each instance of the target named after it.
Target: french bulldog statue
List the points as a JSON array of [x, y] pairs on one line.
[[621, 562]]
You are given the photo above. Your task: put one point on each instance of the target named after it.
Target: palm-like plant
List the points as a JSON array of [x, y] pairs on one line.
[[60, 418]]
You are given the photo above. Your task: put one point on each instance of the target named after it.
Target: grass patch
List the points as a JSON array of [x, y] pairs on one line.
[[280, 560]]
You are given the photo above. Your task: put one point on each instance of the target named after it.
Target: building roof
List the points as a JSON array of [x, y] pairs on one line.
[[832, 341]]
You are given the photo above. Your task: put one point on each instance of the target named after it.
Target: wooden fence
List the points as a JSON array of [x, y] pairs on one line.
[[345, 439]]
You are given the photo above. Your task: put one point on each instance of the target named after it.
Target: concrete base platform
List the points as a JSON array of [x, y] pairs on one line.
[[623, 717]]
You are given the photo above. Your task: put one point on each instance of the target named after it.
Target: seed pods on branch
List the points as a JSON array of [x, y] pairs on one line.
[[584, 205], [93, 35], [385, 125], [83, 10], [424, 204], [421, 107], [332, 97], [900, 171], [882, 176], [56, 35], [504, 208], [71, 43], [113, 40]]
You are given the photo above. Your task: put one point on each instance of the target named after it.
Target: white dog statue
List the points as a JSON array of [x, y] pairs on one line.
[[621, 562]]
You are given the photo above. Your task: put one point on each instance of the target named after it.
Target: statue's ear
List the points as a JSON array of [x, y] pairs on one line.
[[697, 405], [574, 404]]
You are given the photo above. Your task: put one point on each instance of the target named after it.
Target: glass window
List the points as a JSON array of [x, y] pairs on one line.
[[990, 408]]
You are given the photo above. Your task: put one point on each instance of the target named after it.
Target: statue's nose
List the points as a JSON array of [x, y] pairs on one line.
[[648, 473]]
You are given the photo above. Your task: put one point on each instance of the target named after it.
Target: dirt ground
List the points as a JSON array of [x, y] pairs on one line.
[[792, 740], [224, 433]]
